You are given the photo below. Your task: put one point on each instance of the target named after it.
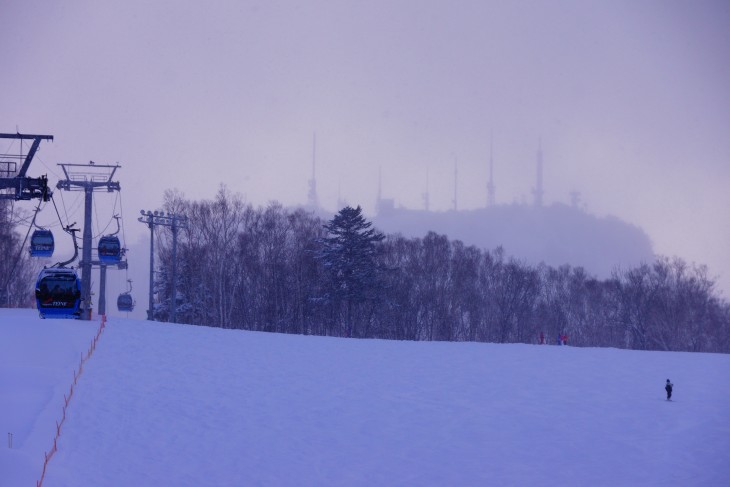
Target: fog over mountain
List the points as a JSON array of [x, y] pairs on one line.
[[556, 235], [628, 100]]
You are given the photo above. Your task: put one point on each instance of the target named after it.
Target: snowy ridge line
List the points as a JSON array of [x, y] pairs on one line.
[[67, 399]]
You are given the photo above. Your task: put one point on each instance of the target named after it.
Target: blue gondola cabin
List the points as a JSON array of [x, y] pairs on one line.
[[110, 250], [125, 302], [41, 243], [58, 293]]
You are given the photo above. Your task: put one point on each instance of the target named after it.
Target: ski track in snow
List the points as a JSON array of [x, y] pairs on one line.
[[165, 404]]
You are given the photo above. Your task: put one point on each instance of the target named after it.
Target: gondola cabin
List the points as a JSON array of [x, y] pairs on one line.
[[110, 250], [41, 243], [58, 293], [125, 302]]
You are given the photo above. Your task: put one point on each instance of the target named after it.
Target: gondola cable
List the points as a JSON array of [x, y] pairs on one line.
[[67, 229]]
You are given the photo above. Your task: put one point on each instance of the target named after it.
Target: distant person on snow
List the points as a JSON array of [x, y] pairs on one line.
[[668, 388]]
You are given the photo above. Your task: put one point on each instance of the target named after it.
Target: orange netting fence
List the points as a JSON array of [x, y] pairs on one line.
[[67, 398]]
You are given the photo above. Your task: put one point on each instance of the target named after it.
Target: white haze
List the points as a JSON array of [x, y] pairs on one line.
[[629, 99]]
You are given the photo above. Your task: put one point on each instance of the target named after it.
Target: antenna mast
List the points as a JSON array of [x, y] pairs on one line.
[[312, 198], [491, 198], [456, 174], [538, 191], [426, 196]]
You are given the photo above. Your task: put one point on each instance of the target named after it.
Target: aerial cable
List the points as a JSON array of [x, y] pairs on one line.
[[103, 231], [96, 217], [75, 205], [121, 214], [38, 158], [57, 213], [124, 235], [72, 232], [63, 202], [67, 229], [116, 202], [33, 223]]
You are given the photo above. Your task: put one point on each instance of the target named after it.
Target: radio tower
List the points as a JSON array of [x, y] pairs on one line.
[[456, 184], [425, 195], [312, 198], [490, 185], [538, 191]]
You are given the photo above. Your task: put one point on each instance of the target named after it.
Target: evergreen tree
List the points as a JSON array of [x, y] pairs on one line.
[[349, 255]]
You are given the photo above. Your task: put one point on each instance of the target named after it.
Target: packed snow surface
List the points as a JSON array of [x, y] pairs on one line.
[[166, 404]]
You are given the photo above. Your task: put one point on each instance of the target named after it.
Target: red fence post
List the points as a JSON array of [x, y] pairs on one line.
[[67, 399]]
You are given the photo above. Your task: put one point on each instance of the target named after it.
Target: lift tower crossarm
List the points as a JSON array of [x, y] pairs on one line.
[[33, 148], [92, 176], [26, 188]]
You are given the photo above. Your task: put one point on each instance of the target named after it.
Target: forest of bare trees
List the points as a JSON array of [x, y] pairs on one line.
[[275, 269], [17, 271], [282, 270]]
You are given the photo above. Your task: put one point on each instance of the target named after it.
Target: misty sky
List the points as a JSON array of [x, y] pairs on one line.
[[631, 100]]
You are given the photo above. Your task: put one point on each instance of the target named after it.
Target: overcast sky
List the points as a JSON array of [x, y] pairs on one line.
[[630, 99]]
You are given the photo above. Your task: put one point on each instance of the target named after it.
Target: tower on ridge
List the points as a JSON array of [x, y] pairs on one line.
[[312, 198], [538, 192], [426, 195], [456, 185], [491, 197], [383, 206]]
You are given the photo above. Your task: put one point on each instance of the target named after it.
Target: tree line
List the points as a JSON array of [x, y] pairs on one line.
[[17, 270], [282, 270], [289, 271]]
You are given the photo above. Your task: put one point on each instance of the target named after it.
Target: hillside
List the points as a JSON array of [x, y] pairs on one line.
[[556, 234], [166, 404]]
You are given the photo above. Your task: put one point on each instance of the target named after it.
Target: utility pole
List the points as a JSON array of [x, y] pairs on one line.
[[150, 223], [152, 218], [88, 178]]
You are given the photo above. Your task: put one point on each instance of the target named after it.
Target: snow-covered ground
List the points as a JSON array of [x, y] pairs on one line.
[[164, 404]]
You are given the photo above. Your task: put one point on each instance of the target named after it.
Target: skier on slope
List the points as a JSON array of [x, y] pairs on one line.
[[668, 388]]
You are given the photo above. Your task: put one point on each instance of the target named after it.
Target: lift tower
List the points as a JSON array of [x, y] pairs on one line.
[[11, 177], [88, 178]]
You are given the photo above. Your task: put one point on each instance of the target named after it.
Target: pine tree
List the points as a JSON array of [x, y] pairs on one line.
[[349, 255]]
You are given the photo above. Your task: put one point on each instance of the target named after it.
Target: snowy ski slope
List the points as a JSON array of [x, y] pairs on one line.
[[163, 404]]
